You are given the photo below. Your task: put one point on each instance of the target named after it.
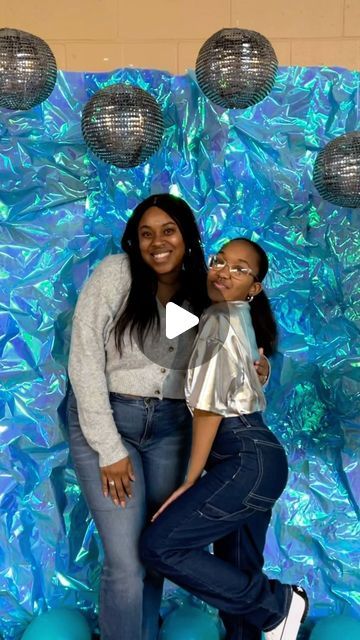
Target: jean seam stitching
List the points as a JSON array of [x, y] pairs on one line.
[[207, 585], [256, 495], [270, 444], [147, 430], [261, 472], [288, 591], [213, 496], [244, 421]]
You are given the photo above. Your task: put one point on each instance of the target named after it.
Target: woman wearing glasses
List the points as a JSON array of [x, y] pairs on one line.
[[129, 425], [246, 467]]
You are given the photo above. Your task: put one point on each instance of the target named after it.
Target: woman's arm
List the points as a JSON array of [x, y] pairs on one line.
[[263, 368], [93, 318], [214, 376], [205, 427]]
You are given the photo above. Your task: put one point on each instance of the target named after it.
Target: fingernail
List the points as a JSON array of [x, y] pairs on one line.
[[116, 502]]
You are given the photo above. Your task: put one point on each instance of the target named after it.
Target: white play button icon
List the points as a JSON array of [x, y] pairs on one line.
[[178, 320]]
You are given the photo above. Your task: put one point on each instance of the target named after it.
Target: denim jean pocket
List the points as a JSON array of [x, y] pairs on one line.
[[211, 512], [215, 456], [273, 474]]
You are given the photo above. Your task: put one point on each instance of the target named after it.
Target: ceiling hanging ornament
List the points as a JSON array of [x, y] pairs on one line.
[[337, 171], [236, 68], [27, 70], [123, 125]]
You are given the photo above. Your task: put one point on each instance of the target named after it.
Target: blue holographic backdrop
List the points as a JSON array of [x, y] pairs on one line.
[[243, 173]]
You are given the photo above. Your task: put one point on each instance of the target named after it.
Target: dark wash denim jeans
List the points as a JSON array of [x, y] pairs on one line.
[[229, 506], [157, 434]]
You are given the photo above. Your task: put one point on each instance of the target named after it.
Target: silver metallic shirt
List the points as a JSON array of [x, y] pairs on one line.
[[221, 377]]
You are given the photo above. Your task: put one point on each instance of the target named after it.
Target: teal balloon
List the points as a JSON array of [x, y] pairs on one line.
[[190, 623], [58, 624], [336, 627]]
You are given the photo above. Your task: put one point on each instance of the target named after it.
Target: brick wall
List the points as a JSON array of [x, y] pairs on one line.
[[96, 35]]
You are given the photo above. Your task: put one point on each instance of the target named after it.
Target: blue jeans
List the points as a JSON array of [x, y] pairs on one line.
[[229, 506], [157, 434]]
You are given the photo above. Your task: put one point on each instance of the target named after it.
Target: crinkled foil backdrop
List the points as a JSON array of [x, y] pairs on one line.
[[243, 172]]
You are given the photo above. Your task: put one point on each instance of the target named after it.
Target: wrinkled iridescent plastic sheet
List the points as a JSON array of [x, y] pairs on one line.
[[243, 172]]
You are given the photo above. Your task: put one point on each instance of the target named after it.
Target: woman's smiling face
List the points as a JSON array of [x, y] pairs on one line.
[[161, 243]]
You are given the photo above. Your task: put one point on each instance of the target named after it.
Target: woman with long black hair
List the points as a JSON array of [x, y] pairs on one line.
[[129, 425]]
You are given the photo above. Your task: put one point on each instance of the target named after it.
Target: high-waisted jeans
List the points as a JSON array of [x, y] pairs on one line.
[[157, 434], [229, 506]]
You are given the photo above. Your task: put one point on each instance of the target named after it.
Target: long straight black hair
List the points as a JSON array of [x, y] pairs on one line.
[[141, 312], [261, 313]]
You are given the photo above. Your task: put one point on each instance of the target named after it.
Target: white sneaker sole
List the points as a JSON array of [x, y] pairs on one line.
[[288, 629]]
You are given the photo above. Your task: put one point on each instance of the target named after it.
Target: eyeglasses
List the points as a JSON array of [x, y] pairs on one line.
[[237, 272]]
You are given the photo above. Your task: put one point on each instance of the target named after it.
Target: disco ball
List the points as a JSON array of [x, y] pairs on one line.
[[236, 68], [122, 125], [337, 171], [27, 69]]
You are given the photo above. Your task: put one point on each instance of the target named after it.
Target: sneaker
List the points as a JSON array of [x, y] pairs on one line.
[[288, 628]]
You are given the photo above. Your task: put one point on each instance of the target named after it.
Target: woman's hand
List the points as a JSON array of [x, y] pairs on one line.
[[262, 367], [116, 480], [184, 487]]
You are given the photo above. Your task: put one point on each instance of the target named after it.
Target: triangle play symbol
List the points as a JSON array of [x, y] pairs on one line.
[[178, 320]]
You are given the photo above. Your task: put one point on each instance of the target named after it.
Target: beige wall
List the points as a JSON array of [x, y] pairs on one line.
[[95, 35]]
